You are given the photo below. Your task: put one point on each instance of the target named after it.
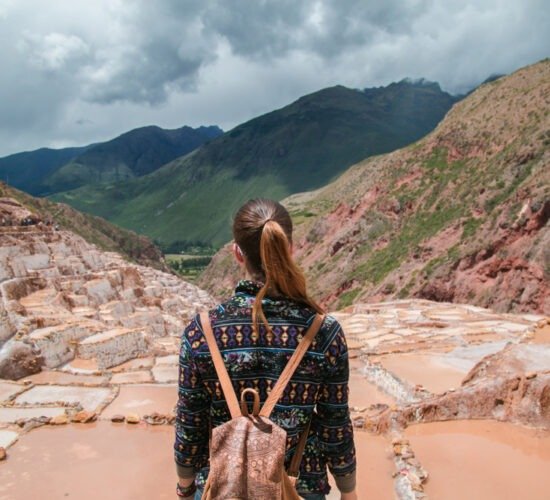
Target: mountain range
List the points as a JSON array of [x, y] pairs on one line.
[[299, 147], [28, 170], [460, 216], [132, 154]]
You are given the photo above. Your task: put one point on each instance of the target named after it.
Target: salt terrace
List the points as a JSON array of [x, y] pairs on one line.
[[92, 341], [410, 360]]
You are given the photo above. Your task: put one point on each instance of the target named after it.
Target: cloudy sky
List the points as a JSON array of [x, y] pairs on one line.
[[81, 71]]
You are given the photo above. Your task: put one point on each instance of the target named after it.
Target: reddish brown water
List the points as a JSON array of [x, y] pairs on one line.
[[131, 377], [483, 459], [134, 364], [423, 369], [85, 365], [9, 389], [375, 467], [542, 335], [143, 399], [123, 462], [101, 461], [362, 393], [53, 377]]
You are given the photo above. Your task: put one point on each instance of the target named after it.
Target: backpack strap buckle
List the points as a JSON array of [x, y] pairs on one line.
[[256, 404]]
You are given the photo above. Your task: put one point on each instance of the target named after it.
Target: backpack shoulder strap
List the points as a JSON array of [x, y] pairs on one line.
[[291, 366], [221, 370], [294, 468]]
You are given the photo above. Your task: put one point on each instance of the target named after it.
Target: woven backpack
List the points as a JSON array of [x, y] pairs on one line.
[[247, 454]]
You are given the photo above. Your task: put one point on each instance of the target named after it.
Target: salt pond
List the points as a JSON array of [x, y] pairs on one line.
[[482, 459]]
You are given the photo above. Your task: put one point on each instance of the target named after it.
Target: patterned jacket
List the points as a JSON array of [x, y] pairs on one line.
[[318, 390]]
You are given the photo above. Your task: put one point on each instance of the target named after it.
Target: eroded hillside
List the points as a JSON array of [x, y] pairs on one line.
[[93, 229], [63, 300], [460, 216]]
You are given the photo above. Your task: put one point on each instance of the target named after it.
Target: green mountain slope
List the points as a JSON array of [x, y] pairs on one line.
[[133, 154], [28, 170], [301, 146]]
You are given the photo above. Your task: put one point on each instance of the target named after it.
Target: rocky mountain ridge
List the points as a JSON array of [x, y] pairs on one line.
[[461, 215]]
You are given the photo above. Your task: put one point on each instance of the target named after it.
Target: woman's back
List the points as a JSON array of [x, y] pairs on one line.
[[256, 361], [257, 330]]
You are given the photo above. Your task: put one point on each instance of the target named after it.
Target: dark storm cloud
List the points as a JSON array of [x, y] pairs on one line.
[[110, 65], [267, 29], [161, 47], [325, 28], [145, 74]]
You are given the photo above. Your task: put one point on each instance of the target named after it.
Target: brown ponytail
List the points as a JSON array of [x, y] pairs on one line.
[[263, 231]]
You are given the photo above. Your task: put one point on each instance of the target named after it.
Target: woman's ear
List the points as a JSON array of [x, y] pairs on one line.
[[237, 252]]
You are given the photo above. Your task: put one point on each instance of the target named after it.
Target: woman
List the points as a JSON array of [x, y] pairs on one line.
[[256, 329]]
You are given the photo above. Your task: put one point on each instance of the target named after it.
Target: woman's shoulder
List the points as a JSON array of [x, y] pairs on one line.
[[331, 331], [331, 323], [232, 308]]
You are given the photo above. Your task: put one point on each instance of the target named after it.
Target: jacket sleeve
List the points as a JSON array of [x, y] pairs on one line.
[[335, 430], [192, 412]]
